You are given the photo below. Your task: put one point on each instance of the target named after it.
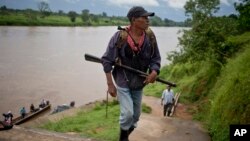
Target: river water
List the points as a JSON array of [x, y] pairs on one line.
[[48, 63]]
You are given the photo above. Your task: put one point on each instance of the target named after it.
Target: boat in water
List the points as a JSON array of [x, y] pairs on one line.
[[30, 115]]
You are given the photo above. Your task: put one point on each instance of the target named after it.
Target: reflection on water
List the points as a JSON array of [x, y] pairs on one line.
[[48, 63]]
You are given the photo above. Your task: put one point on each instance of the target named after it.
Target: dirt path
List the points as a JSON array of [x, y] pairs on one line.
[[152, 126], [179, 127]]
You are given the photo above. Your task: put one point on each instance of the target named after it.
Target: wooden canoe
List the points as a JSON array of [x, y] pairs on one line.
[[28, 116]]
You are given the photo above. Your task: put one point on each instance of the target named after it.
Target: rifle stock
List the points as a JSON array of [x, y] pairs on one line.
[[92, 58]]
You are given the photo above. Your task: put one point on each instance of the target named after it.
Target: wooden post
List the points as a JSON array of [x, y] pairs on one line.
[[175, 103]]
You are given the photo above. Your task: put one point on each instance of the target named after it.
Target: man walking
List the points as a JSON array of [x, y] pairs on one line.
[[137, 48], [167, 99]]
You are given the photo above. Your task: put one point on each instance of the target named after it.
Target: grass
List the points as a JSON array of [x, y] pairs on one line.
[[230, 99], [93, 123], [220, 94]]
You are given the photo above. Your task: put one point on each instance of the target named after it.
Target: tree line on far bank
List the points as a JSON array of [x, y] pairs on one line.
[[45, 16]]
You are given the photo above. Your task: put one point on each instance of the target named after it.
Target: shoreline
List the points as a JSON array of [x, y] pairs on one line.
[[173, 128]]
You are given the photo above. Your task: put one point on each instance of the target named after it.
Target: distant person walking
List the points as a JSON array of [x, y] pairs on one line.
[[167, 99]]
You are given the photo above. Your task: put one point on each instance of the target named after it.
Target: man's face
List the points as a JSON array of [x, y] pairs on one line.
[[141, 22], [169, 87]]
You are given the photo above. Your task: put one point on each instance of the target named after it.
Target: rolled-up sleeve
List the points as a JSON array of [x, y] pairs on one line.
[[108, 58]]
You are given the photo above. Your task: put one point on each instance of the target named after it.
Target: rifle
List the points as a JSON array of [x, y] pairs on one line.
[[92, 58]]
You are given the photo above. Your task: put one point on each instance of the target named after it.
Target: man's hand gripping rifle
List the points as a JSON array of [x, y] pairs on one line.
[[92, 58]]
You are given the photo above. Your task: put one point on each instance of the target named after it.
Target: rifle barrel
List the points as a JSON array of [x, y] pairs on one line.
[[92, 58]]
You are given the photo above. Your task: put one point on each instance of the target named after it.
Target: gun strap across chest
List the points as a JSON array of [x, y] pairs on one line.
[[149, 34]]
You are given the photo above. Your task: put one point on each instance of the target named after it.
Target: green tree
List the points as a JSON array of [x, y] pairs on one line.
[[4, 10], [85, 15], [244, 18], [188, 22], [30, 14], [206, 39], [44, 9], [169, 22], [156, 21], [94, 18], [104, 14], [60, 12], [72, 15]]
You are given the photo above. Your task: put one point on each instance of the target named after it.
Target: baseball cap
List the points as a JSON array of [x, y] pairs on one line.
[[138, 11]]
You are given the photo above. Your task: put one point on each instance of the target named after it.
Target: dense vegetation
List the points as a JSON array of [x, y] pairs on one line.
[[45, 17], [212, 68]]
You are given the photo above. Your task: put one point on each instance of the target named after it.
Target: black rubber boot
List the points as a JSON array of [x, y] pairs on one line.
[[123, 135]]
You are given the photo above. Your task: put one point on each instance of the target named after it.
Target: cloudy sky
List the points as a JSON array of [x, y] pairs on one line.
[[171, 9]]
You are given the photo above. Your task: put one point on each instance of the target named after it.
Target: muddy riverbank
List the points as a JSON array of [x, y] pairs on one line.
[[150, 127]]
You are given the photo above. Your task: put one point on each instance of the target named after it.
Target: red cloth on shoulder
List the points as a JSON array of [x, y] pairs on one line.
[[135, 47]]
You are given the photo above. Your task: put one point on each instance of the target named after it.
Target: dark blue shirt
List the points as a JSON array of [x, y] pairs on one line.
[[150, 59]]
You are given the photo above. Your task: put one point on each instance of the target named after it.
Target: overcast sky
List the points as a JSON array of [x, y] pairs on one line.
[[171, 9]]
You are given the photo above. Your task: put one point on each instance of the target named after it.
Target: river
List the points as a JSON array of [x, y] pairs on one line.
[[48, 63]]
